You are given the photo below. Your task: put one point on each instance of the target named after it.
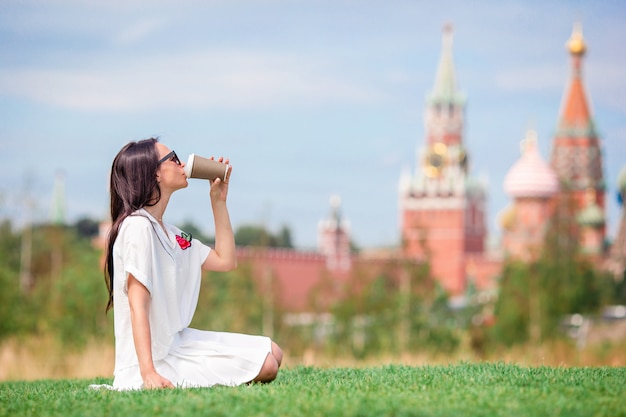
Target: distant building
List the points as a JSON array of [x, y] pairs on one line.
[[304, 282], [532, 184], [334, 239], [442, 207], [573, 183], [301, 280], [577, 156]]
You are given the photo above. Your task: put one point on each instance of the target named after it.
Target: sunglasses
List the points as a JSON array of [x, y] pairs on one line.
[[170, 157]]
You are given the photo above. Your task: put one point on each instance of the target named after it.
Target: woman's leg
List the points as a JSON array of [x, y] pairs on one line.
[[269, 370], [277, 352]]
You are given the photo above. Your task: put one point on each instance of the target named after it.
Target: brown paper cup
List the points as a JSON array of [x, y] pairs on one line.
[[207, 169]]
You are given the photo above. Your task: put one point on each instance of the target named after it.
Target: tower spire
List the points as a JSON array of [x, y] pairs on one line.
[[334, 238], [445, 88], [575, 115], [576, 153]]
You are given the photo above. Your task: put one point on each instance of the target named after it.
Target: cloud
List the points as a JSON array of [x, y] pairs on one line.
[[212, 78], [533, 78], [139, 31], [607, 84], [604, 82]]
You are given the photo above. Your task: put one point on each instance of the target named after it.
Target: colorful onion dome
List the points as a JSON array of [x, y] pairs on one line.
[[621, 187], [530, 176], [621, 181], [592, 215]]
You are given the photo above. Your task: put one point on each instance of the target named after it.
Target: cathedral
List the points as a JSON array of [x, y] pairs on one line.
[[576, 165], [442, 207]]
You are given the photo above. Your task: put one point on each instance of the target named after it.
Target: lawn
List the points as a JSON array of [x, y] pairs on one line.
[[487, 389]]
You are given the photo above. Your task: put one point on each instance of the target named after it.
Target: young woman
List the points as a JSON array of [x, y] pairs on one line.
[[153, 271]]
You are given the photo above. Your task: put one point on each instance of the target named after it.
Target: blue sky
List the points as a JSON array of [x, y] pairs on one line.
[[308, 98]]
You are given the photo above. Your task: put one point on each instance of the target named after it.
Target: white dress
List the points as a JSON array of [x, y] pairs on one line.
[[169, 266]]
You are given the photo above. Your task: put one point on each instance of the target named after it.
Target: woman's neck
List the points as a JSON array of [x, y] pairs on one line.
[[158, 210]]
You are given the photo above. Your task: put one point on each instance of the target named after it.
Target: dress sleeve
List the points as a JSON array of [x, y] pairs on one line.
[[201, 251], [137, 236]]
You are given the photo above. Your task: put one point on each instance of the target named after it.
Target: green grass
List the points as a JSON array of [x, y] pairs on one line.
[[453, 390]]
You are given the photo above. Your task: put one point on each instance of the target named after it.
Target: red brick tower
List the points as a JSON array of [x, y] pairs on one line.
[[442, 209], [576, 155]]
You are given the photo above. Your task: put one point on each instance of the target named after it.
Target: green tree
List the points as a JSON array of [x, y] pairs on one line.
[[11, 303], [534, 296], [283, 238], [399, 308], [513, 306], [252, 235], [67, 303], [230, 301], [87, 228], [190, 227]]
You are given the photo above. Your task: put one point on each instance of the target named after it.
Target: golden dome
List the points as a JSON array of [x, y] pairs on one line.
[[576, 43], [508, 217], [621, 180]]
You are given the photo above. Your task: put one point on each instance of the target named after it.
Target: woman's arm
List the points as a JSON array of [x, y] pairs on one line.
[[139, 300], [224, 256]]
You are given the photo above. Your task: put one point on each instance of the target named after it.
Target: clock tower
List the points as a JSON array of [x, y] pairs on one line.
[[442, 209]]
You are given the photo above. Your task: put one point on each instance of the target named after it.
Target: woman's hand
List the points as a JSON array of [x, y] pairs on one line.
[[154, 380], [219, 188]]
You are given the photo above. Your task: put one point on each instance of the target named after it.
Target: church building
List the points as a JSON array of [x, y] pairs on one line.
[[577, 156], [573, 183]]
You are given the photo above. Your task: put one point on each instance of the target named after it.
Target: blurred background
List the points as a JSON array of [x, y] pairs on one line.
[[327, 111]]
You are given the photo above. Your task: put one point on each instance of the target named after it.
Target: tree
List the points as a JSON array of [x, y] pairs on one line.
[[87, 228], [535, 296], [252, 235], [190, 227], [398, 308], [283, 238], [229, 301]]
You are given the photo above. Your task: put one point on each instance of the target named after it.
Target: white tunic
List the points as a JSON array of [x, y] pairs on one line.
[[171, 272]]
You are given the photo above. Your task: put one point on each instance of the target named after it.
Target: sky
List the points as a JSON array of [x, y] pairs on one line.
[[308, 99]]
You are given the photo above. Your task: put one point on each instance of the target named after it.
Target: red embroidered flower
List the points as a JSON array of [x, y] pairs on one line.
[[184, 240]]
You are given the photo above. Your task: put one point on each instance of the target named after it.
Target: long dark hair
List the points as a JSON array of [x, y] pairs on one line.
[[133, 185]]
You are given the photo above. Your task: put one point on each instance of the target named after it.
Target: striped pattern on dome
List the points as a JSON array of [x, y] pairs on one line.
[[591, 215], [530, 176], [621, 180]]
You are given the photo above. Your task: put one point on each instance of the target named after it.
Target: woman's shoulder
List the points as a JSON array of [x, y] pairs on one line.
[[136, 221]]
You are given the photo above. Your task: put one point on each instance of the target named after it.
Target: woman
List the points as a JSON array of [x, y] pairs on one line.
[[153, 272]]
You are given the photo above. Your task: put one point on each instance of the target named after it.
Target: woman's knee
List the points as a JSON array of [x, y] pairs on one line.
[[277, 353], [269, 370]]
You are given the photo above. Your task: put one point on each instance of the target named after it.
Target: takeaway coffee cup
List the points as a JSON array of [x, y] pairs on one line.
[[207, 169]]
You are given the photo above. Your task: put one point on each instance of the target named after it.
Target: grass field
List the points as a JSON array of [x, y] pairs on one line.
[[447, 390]]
